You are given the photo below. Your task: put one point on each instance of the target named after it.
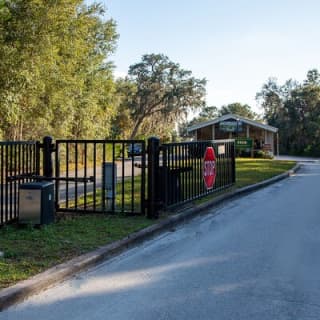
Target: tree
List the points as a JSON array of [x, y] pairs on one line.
[[54, 78], [239, 109], [163, 91], [313, 77], [295, 109], [122, 122], [207, 113]]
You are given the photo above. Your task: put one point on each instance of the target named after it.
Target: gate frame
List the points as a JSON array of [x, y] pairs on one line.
[[86, 179]]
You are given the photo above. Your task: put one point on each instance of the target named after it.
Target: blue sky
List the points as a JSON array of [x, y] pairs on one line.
[[235, 44]]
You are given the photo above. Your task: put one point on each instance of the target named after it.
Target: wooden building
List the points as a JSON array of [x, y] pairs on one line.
[[231, 126]]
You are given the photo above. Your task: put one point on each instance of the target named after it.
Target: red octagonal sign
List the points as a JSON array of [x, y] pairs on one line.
[[209, 168]]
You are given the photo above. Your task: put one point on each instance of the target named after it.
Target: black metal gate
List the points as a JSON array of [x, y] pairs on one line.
[[176, 173], [181, 175], [19, 161], [100, 176], [112, 176]]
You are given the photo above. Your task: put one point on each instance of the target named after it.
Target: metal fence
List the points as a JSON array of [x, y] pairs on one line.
[[113, 176], [181, 170], [100, 176], [18, 161]]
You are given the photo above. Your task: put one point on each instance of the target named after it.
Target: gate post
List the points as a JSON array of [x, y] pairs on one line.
[[233, 161], [153, 177], [47, 157]]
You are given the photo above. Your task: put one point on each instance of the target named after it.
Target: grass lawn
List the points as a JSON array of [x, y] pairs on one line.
[[28, 251], [250, 171]]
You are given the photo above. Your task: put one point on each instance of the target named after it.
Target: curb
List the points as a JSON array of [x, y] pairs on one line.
[[22, 290]]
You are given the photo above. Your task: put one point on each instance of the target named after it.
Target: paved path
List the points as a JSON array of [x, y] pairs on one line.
[[296, 158], [257, 257]]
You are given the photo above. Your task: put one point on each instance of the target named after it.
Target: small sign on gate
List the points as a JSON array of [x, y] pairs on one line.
[[209, 168], [221, 149]]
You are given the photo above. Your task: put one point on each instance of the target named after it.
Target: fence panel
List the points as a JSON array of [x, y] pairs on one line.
[[94, 176], [100, 176], [18, 160], [181, 170]]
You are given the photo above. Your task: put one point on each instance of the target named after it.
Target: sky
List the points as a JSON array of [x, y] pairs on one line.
[[235, 44]]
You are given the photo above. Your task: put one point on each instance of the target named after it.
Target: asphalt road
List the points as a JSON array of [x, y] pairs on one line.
[[254, 258]]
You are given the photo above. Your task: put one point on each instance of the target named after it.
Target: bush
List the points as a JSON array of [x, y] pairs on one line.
[[262, 154]]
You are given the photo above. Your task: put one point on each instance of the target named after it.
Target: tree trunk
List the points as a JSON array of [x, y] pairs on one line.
[[136, 128]]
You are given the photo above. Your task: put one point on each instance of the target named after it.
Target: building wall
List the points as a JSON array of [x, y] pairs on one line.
[[204, 133], [260, 136]]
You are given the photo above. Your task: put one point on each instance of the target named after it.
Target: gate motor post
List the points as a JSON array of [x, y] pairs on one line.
[[36, 203], [109, 182]]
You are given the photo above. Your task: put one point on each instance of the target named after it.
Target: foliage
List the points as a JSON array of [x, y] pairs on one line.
[[262, 154], [54, 78], [161, 93], [239, 109], [207, 113], [295, 109], [122, 123]]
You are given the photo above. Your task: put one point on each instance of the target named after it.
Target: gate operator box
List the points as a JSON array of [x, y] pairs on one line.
[[109, 179], [36, 203]]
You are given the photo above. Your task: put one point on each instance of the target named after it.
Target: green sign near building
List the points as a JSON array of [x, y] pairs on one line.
[[244, 143]]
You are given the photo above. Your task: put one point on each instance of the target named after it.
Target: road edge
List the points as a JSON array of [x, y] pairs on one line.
[[23, 289]]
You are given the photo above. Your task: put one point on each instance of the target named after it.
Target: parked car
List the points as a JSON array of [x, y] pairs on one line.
[[134, 149]]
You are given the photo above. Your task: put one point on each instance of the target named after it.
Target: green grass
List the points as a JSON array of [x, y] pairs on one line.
[[127, 201], [28, 251], [250, 171]]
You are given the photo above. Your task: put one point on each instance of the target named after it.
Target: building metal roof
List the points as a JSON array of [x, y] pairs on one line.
[[234, 117]]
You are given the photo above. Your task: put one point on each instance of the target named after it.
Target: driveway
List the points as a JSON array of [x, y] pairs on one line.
[[256, 257]]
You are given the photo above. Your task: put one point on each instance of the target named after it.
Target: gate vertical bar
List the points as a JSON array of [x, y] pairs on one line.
[[84, 154], [6, 181], [233, 161], [76, 175], [2, 184], [113, 199], [15, 170], [57, 175], [165, 168], [153, 177], [94, 175], [10, 171], [67, 175], [143, 179], [132, 183], [47, 157], [122, 178]]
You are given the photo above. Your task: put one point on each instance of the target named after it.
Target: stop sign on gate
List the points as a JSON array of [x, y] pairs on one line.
[[209, 168]]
